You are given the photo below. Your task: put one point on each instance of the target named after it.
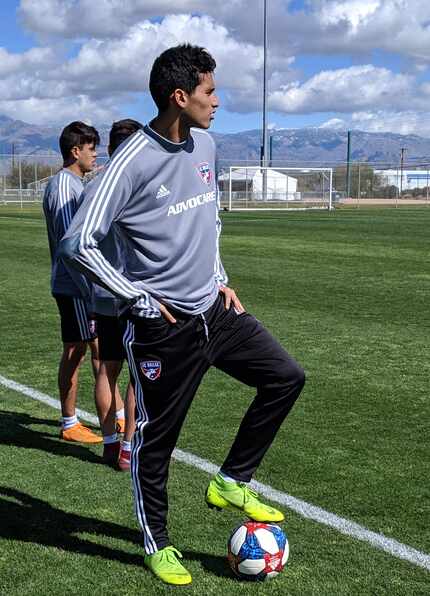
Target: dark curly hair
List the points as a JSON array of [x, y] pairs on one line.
[[178, 68], [77, 134], [120, 131]]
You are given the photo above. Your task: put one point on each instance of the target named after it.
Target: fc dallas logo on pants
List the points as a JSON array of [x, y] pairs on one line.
[[151, 369]]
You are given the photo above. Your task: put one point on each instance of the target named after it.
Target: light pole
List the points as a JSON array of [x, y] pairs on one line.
[[348, 166], [264, 148], [402, 155]]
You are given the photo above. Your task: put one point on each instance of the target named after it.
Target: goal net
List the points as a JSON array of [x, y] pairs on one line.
[[273, 188]]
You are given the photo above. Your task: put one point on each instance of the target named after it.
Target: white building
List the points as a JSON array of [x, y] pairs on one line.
[[410, 178], [280, 187]]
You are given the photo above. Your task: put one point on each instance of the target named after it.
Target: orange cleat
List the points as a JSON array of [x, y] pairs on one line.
[[78, 433], [120, 425]]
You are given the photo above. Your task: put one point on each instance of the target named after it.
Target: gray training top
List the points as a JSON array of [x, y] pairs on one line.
[[104, 302], [161, 198], [60, 203]]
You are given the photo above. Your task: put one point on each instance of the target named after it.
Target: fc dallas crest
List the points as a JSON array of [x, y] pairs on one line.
[[205, 172], [151, 369]]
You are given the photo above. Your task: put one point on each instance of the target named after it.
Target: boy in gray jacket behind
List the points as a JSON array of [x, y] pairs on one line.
[[71, 289], [107, 308]]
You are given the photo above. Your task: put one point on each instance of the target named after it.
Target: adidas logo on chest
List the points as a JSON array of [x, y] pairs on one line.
[[162, 192]]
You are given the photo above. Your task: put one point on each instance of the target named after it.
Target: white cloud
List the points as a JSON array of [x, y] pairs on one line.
[[355, 13], [335, 124], [324, 26], [44, 16], [118, 67], [126, 62], [117, 41], [406, 122], [106, 18], [361, 26], [348, 89], [57, 111], [29, 61]]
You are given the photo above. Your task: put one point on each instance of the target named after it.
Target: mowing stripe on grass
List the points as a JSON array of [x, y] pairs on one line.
[[342, 525]]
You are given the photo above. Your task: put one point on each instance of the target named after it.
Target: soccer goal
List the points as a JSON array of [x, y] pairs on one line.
[[276, 188]]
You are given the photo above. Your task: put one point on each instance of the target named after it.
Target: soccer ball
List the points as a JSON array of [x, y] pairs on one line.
[[257, 551]]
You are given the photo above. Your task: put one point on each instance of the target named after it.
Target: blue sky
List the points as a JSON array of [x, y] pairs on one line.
[[332, 63], [12, 35]]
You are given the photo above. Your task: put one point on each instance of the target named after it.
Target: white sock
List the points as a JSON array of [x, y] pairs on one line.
[[69, 421], [226, 478], [126, 445], [119, 414], [109, 439]]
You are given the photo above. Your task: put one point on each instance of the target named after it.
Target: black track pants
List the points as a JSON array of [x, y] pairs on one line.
[[167, 363]]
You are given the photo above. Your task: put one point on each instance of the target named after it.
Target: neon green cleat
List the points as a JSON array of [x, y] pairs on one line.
[[237, 496], [165, 565]]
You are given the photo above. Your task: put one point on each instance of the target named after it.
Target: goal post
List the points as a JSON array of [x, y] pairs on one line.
[[276, 188]]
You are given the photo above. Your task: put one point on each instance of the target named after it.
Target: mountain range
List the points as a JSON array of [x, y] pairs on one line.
[[310, 146]]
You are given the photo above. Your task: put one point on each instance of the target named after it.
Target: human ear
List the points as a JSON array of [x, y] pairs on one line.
[[180, 97]]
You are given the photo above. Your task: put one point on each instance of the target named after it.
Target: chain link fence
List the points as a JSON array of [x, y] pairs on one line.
[[365, 183], [267, 188], [23, 179]]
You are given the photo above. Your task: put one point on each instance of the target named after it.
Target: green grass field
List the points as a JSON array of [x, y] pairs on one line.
[[347, 293]]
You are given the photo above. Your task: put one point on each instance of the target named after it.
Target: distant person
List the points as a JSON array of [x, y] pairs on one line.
[[159, 193], [107, 308], [70, 289]]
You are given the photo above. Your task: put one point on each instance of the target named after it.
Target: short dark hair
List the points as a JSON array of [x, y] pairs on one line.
[[77, 134], [178, 68], [120, 131]]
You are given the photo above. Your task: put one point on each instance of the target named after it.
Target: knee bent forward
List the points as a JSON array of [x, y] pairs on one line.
[[292, 375]]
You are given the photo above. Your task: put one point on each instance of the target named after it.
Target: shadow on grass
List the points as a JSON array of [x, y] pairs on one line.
[[25, 518], [28, 519], [214, 564], [15, 429]]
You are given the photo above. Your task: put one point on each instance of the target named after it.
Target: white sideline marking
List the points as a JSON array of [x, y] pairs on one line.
[[20, 219], [344, 526]]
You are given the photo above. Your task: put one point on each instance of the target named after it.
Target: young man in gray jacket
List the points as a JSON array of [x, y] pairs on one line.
[[159, 193], [107, 308], [70, 289]]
